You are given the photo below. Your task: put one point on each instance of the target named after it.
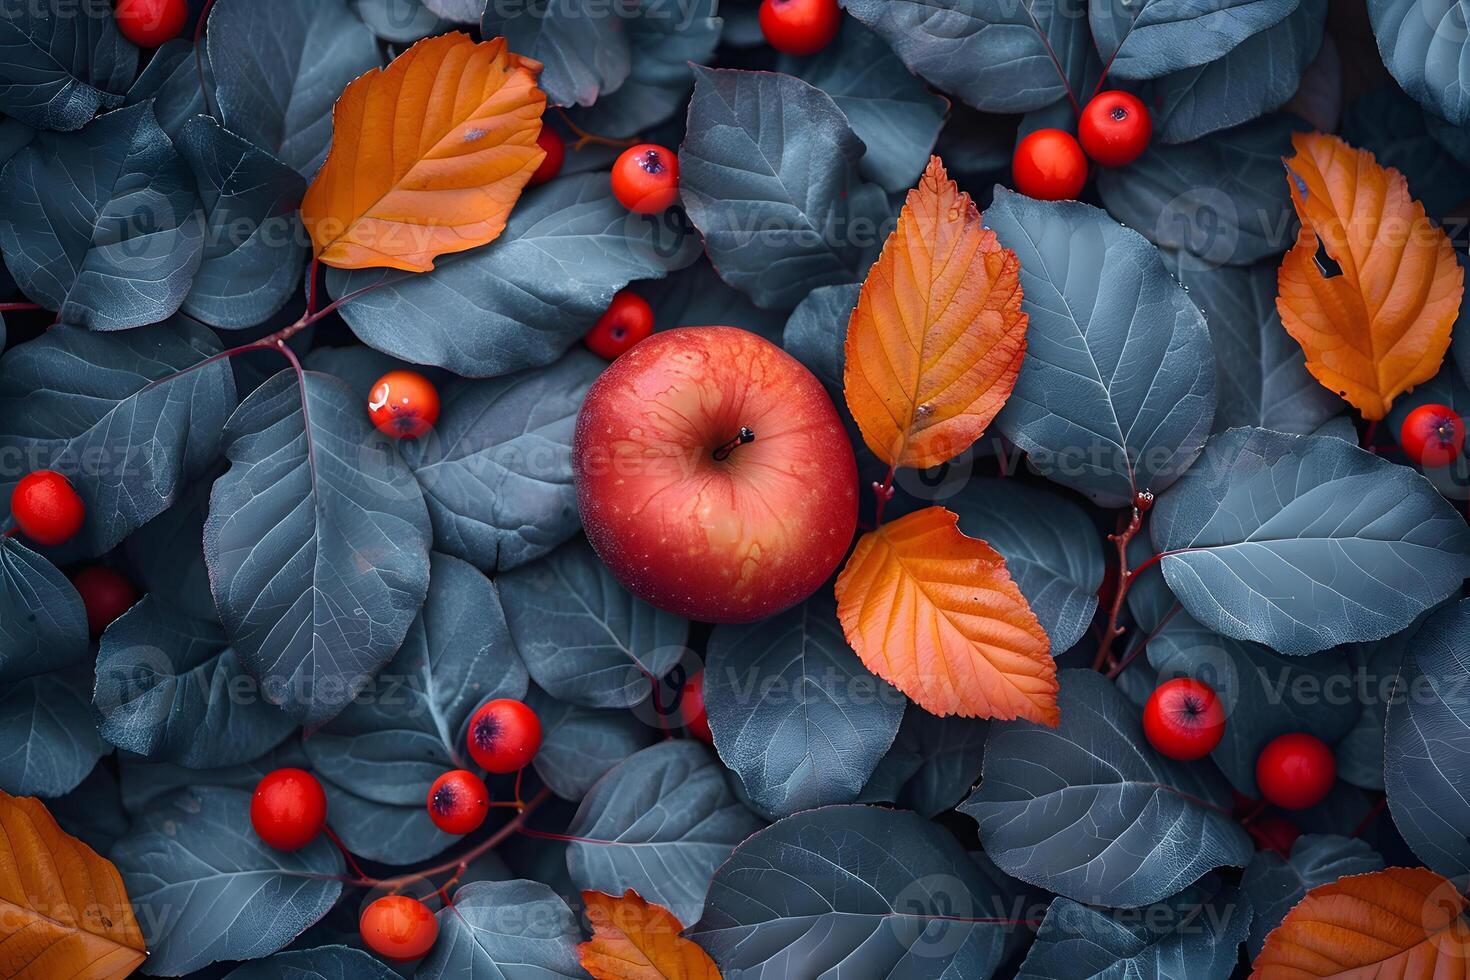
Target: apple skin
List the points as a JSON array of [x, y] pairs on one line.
[[719, 541]]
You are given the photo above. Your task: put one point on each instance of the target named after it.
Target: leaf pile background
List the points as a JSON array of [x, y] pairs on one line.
[[1144, 435]]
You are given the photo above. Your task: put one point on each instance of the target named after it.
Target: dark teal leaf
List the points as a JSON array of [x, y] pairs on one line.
[[168, 553], [583, 44], [103, 225], [1274, 885], [399, 21], [497, 470], [1051, 548], [256, 247], [794, 712], [664, 40], [321, 963], [853, 890], [146, 784], [460, 11], [584, 638], [1388, 124], [524, 299], [504, 929], [170, 687], [407, 729], [93, 812], [48, 740], [317, 544], [932, 764], [579, 745], [43, 626], [662, 821], [1451, 386], [1261, 371], [58, 67], [206, 888], [1222, 198], [1257, 76], [891, 111], [279, 68], [1424, 45], [171, 80], [1375, 666], [1427, 743], [698, 297], [977, 144], [130, 418], [1117, 391], [1306, 542], [389, 833], [1089, 810], [781, 206], [1195, 934], [995, 55], [1149, 38]]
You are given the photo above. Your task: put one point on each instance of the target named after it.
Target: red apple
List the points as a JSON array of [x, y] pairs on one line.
[[714, 476]]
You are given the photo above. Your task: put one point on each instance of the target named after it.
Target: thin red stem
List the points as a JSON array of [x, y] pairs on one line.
[[346, 854], [1138, 648], [1367, 821], [1256, 811], [311, 289], [19, 307], [1142, 502], [882, 493]]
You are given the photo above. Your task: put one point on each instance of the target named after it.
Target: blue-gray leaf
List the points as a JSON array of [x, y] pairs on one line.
[[168, 553], [1424, 45], [389, 833], [1149, 38], [502, 929], [170, 687], [524, 299], [497, 469], [1274, 885], [103, 225], [995, 55], [1105, 820], [43, 626], [579, 745], [206, 888], [321, 963], [852, 890], [399, 21], [1117, 392], [58, 67], [768, 173], [317, 543], [584, 638], [1306, 542], [171, 81], [660, 823], [279, 67], [1375, 671], [582, 43], [794, 712], [256, 246], [932, 764], [1388, 124], [48, 740], [131, 417]]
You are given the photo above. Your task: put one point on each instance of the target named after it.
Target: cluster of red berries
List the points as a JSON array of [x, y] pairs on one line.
[[1433, 435], [1184, 720], [1051, 164]]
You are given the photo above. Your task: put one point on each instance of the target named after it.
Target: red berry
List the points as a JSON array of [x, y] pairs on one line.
[[556, 153], [1115, 128], [627, 320], [645, 179], [46, 508], [504, 736], [458, 802], [1433, 435], [106, 595], [148, 23], [1272, 833], [799, 26], [398, 928], [1184, 719], [403, 404], [1049, 166], [691, 709], [1296, 771], [289, 809]]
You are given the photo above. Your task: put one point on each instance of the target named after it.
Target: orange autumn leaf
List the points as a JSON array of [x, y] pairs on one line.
[[936, 614], [1402, 922], [1383, 325], [937, 339], [634, 940], [63, 909], [428, 156]]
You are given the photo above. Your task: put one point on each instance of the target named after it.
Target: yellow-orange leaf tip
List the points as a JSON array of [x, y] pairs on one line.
[[428, 156], [1382, 325], [1406, 923], [63, 909], [635, 940], [937, 339], [936, 614]]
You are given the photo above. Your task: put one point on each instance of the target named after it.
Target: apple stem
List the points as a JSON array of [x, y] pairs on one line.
[[722, 453]]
